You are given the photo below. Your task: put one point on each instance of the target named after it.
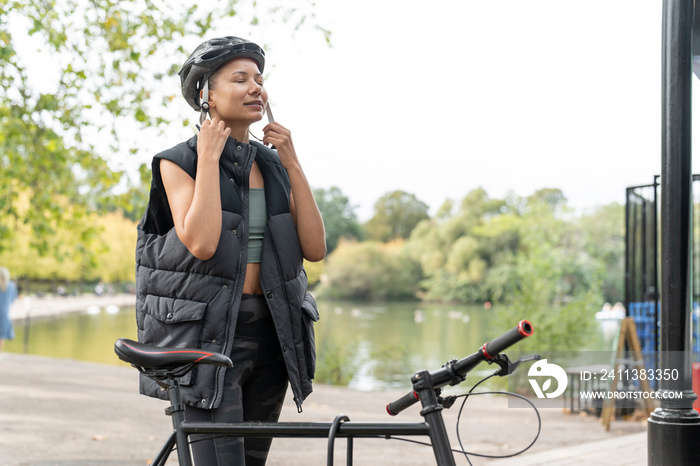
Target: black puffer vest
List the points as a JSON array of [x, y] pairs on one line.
[[182, 301]]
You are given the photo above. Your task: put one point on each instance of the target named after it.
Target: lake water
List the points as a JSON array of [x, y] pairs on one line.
[[376, 346]]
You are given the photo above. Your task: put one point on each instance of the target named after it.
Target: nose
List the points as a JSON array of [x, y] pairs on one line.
[[256, 89]]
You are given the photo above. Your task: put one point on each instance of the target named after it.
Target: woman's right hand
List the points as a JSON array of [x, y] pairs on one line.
[[212, 139], [196, 204]]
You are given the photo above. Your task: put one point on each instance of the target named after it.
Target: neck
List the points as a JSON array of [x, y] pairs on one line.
[[239, 130], [240, 135]]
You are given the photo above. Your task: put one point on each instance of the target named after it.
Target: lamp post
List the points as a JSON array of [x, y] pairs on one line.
[[674, 427]]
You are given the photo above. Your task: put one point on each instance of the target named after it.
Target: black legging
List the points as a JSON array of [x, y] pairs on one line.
[[254, 390]]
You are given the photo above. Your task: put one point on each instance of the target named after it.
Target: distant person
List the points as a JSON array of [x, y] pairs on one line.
[[220, 251], [8, 293]]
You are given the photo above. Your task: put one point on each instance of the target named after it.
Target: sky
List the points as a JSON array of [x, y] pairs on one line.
[[439, 98]]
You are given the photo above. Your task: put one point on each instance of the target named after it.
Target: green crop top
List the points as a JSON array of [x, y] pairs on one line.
[[258, 222]]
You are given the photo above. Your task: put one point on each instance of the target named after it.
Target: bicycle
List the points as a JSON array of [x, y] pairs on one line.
[[166, 365]]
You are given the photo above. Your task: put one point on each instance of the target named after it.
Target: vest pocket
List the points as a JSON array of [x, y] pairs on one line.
[[171, 322], [173, 310], [309, 317]]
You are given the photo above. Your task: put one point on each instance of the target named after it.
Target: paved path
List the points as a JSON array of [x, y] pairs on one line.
[[63, 412]]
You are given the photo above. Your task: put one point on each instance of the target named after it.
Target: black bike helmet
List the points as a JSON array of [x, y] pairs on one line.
[[207, 58]]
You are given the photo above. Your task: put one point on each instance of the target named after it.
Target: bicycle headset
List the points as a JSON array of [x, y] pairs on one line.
[[205, 60]]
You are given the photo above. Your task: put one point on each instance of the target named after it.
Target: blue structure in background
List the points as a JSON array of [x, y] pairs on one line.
[[646, 320], [642, 267]]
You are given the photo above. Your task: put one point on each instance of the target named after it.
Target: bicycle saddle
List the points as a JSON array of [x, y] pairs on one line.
[[156, 357]]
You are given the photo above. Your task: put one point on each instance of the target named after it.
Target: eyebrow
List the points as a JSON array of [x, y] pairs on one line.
[[245, 73]]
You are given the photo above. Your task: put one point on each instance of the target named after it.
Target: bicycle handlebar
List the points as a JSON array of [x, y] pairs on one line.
[[395, 407], [449, 371], [511, 337]]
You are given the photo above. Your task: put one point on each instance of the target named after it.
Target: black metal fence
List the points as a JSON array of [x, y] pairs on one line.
[[642, 264]]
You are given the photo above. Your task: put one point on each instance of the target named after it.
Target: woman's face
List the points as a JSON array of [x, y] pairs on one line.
[[236, 92]]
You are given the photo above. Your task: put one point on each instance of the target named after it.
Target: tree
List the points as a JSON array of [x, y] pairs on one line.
[[396, 214], [478, 205], [516, 249], [459, 251], [100, 82], [553, 282], [338, 216], [133, 200], [603, 232], [112, 259], [370, 270], [553, 197]]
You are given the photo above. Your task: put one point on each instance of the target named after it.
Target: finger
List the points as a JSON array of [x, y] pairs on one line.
[[275, 126], [280, 136], [268, 141], [271, 137]]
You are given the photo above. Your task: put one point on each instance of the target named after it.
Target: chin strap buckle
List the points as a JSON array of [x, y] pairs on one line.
[[205, 102]]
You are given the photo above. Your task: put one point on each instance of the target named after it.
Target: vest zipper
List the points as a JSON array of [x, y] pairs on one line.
[[244, 253], [291, 319]]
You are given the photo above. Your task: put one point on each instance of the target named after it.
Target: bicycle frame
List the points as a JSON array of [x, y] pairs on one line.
[[433, 427], [166, 365]]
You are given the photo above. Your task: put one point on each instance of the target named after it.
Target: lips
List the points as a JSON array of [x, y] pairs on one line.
[[257, 103]]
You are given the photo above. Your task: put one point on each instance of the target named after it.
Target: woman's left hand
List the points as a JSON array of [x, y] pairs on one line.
[[281, 138], [302, 205]]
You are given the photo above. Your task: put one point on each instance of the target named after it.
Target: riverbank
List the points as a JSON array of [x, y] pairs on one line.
[[53, 306], [63, 412]]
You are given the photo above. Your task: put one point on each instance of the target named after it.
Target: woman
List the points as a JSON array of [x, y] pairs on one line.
[[8, 293], [220, 253]]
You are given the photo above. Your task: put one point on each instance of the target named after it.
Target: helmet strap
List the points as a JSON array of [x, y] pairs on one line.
[[204, 102], [254, 136], [270, 119]]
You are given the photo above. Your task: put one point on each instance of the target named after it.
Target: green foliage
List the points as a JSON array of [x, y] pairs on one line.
[[555, 284], [335, 363], [603, 233], [370, 271], [465, 256], [396, 214], [389, 358], [529, 254], [314, 272], [116, 258], [338, 216], [111, 260], [78, 80], [552, 198], [132, 202]]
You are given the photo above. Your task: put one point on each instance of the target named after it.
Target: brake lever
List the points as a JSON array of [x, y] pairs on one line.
[[507, 366], [447, 401]]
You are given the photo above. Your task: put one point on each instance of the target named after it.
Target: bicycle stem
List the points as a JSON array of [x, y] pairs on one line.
[[427, 393]]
